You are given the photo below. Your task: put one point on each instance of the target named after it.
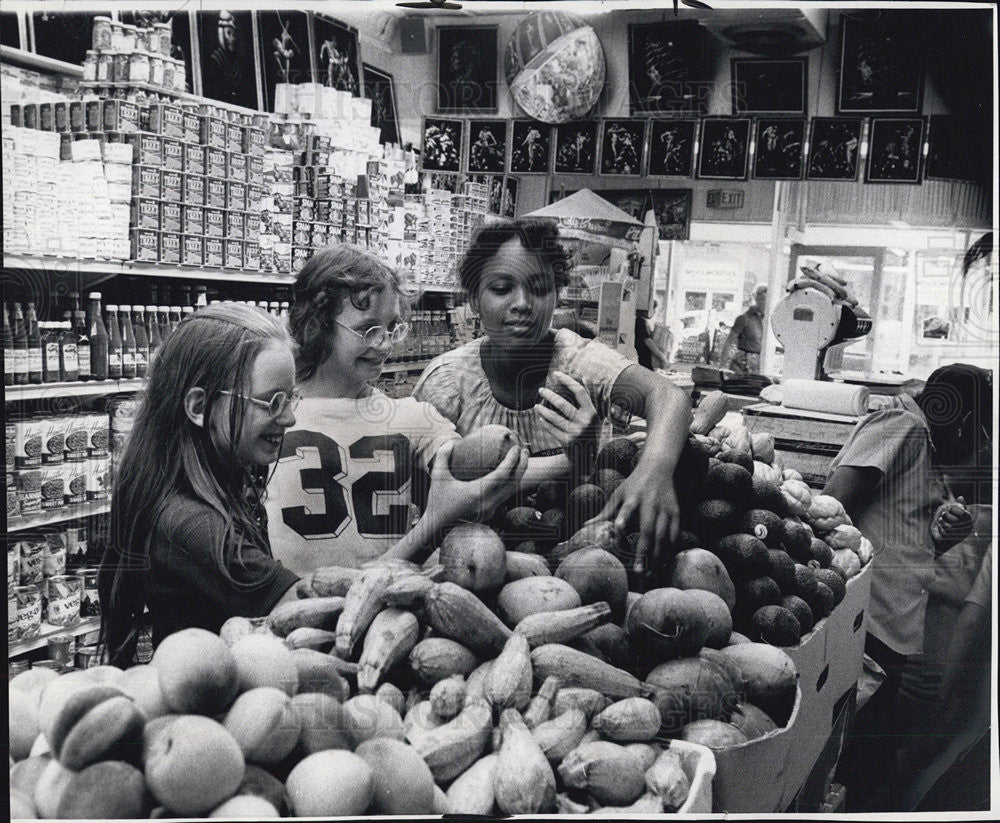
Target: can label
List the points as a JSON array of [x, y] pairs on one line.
[[251, 256], [13, 565], [53, 486], [31, 559], [62, 649], [234, 225], [145, 245], [76, 541], [215, 162], [29, 611], [237, 169], [215, 192], [194, 158], [194, 189], [54, 440], [170, 247], [90, 604], [172, 185], [12, 627], [214, 222], [254, 141], [213, 132], [192, 127], [55, 554], [28, 443], [173, 154], [193, 250], [193, 220], [146, 181], [120, 115], [149, 149], [29, 491], [76, 483], [234, 137], [170, 217], [234, 254], [98, 433], [62, 600], [10, 444], [98, 478], [236, 195], [77, 438], [146, 213], [166, 120], [213, 252]]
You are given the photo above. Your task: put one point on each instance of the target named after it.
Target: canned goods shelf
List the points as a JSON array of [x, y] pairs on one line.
[[112, 268], [90, 388], [37, 521], [90, 624]]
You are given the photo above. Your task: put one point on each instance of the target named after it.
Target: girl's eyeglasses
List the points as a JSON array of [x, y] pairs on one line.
[[276, 405], [376, 335]]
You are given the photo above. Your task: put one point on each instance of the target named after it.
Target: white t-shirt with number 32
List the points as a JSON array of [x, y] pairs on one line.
[[341, 490]]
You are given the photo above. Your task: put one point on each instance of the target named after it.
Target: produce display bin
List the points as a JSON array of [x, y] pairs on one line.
[[698, 763]]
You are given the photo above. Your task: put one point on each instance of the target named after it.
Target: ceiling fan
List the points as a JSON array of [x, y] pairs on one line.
[[430, 4]]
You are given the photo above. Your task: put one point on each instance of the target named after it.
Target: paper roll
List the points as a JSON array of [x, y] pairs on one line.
[[821, 396]]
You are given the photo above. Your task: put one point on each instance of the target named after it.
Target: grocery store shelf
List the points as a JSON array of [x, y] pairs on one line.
[[35, 521], [112, 268], [90, 624], [20, 57], [94, 388]]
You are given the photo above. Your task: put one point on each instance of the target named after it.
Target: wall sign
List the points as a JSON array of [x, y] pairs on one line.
[[725, 199]]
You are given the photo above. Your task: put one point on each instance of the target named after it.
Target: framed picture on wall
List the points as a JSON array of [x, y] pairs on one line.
[[494, 190], [284, 50], [380, 89], [895, 150], [834, 148], [725, 145], [953, 149], [763, 86], [780, 143], [664, 65], [880, 67], [61, 35], [508, 201], [468, 68], [576, 147], [530, 146], [228, 66], [487, 146], [672, 208], [671, 148], [336, 56], [623, 143], [442, 145], [446, 182]]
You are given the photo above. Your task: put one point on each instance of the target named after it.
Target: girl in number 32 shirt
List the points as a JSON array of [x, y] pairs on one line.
[[341, 491]]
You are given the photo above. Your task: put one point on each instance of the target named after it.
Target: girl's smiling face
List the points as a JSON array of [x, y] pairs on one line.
[[260, 438], [516, 296], [352, 363]]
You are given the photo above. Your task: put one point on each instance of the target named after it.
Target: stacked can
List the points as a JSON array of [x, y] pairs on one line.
[[137, 56]]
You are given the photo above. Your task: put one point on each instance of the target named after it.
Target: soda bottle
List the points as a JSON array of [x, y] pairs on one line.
[[128, 343], [98, 334], [19, 361], [154, 331], [165, 328], [175, 318], [114, 344], [35, 368], [82, 344], [141, 343]]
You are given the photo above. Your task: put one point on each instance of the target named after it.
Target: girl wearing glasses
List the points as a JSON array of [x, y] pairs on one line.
[[512, 272], [350, 468], [188, 533]]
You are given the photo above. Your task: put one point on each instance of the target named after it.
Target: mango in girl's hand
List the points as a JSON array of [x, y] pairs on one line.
[[481, 452], [198, 674]]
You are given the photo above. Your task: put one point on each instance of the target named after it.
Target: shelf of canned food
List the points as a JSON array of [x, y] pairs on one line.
[[113, 268], [47, 631], [52, 518]]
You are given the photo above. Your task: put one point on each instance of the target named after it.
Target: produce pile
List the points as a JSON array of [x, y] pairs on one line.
[[514, 673]]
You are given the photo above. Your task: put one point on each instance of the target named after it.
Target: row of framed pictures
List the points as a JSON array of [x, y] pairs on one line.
[[712, 148], [241, 55]]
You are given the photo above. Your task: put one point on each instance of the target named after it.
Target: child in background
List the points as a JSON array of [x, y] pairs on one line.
[[188, 532], [343, 485]]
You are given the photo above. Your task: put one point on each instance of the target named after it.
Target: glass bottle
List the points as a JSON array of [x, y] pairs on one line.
[[141, 343], [19, 361], [154, 331], [186, 296], [98, 334], [35, 368], [69, 353], [273, 308], [175, 318], [128, 343], [283, 310], [201, 296], [50, 351], [164, 319], [82, 344], [8, 349], [114, 344]]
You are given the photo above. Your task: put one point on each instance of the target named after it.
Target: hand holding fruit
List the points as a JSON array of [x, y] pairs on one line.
[[473, 499], [952, 522], [561, 419]]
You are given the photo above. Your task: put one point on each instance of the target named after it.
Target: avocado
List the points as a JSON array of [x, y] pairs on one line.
[[585, 502], [805, 583], [754, 593], [767, 495], [776, 625], [823, 601], [764, 525], [520, 523], [743, 554], [798, 540], [607, 480], [834, 582], [526, 547], [551, 494], [620, 454], [713, 519], [731, 482], [781, 569], [797, 606], [687, 540], [737, 457], [821, 552]]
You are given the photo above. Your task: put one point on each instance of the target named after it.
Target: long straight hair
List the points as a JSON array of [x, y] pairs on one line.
[[166, 455]]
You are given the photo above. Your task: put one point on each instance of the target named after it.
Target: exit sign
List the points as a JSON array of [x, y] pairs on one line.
[[725, 199]]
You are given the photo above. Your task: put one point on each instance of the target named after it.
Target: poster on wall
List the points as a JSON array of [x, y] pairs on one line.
[[530, 145], [576, 148], [834, 144], [895, 150], [724, 148], [508, 207], [442, 146], [227, 57], [446, 182], [284, 51], [487, 146], [672, 209], [880, 66], [494, 190], [954, 149], [336, 55], [623, 145], [66, 36], [780, 143], [769, 86], [664, 62], [671, 148], [381, 90], [468, 68]]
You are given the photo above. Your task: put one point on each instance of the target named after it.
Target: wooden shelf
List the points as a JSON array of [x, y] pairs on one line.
[[50, 518], [85, 626], [91, 388]]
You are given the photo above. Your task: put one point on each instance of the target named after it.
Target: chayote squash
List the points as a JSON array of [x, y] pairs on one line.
[[798, 496], [825, 513], [843, 537]]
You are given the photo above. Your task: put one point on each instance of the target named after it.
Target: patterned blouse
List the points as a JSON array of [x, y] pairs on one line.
[[457, 386]]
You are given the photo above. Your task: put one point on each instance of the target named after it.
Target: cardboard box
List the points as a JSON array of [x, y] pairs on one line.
[[166, 120]]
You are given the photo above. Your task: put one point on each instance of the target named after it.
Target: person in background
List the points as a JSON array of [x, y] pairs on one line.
[[746, 337], [188, 535], [356, 460], [890, 477], [649, 336], [549, 386]]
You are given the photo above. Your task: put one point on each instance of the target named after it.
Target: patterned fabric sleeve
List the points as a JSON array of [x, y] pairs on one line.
[[438, 386], [592, 363], [884, 440]]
